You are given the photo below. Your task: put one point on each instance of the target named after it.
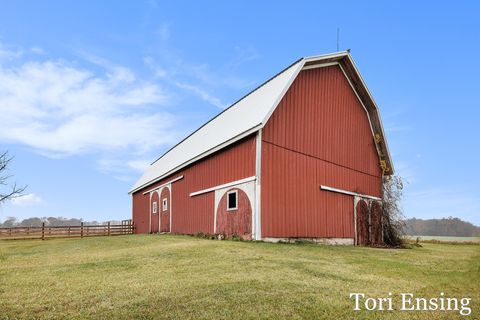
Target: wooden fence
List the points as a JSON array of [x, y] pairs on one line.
[[81, 231]]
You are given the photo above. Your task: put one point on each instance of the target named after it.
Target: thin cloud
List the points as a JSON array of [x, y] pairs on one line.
[[139, 165], [37, 50], [27, 200], [123, 169], [203, 94], [392, 127], [164, 32], [158, 72], [7, 53], [245, 54]]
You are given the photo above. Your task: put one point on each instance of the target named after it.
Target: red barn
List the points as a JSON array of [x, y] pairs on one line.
[[301, 156]]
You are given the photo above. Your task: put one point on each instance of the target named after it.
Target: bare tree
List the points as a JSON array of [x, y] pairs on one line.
[[393, 217], [12, 191]]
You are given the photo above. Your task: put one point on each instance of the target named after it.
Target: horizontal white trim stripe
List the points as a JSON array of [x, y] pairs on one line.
[[163, 185], [226, 185], [320, 65], [349, 192]]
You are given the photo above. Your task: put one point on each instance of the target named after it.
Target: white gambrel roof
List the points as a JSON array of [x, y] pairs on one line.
[[244, 117]]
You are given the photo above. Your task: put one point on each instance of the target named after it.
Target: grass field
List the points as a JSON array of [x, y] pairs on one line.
[[446, 239], [181, 277]]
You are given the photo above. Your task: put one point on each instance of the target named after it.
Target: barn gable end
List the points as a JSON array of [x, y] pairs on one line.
[[319, 134]]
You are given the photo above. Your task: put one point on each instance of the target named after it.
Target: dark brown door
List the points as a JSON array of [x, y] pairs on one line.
[[363, 234]]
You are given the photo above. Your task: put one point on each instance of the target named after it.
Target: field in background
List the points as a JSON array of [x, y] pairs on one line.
[[164, 276], [445, 239]]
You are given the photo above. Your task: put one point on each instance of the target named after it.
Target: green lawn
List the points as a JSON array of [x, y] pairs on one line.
[[181, 277]]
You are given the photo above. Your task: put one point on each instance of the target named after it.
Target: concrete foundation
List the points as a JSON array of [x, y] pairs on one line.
[[327, 241]]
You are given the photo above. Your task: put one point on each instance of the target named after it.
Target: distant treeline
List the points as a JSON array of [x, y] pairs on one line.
[[452, 227], [50, 221]]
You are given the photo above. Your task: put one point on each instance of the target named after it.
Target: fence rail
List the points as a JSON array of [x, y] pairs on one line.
[[81, 231]]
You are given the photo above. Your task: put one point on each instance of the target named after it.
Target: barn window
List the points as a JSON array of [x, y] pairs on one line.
[[164, 204], [154, 207], [232, 200]]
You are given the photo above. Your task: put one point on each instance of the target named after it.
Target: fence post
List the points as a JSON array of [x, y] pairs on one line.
[[81, 229], [109, 228], [43, 230]]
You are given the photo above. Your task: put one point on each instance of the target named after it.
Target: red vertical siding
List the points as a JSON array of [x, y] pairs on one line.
[[318, 135], [195, 214], [141, 212]]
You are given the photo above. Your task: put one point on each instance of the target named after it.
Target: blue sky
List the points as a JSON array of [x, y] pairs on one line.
[[91, 92]]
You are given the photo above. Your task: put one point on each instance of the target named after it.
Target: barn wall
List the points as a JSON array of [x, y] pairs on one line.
[[318, 135], [196, 214]]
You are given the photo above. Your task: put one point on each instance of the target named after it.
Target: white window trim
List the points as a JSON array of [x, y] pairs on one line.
[[236, 200], [164, 204], [154, 207]]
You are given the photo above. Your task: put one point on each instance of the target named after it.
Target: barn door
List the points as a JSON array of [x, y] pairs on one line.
[[363, 222], [234, 214], [154, 209], [376, 236], [369, 222], [165, 210]]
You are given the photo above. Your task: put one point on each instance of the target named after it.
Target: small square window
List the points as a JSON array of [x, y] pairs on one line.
[[232, 200], [164, 204], [154, 207]]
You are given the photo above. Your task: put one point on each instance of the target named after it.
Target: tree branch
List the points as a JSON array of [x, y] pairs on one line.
[[15, 191]]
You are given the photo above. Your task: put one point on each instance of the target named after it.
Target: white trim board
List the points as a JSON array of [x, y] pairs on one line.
[[226, 185], [350, 193], [256, 222], [320, 65], [164, 185]]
